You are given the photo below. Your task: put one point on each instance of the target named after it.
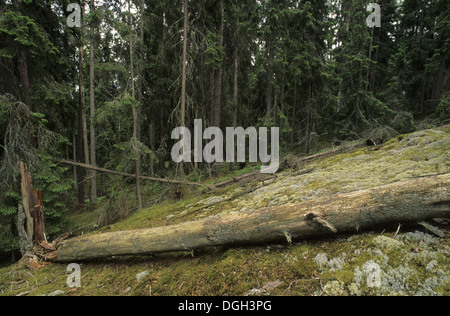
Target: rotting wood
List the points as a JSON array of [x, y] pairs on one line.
[[406, 201], [25, 188], [32, 207]]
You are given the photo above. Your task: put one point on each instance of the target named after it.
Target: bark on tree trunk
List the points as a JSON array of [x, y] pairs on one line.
[[269, 85], [294, 115], [24, 76], [439, 82], [38, 219], [25, 242], [135, 115], [184, 77], [93, 176], [407, 201], [217, 104], [82, 126], [32, 208]]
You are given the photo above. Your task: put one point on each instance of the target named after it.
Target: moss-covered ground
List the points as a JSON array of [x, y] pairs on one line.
[[415, 262]]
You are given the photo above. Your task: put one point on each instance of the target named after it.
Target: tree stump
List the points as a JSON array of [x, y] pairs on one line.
[[31, 209]]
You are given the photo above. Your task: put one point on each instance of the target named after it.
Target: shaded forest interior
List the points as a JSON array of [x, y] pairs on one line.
[[109, 93]]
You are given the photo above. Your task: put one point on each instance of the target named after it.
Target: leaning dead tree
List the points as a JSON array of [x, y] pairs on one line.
[[408, 201]]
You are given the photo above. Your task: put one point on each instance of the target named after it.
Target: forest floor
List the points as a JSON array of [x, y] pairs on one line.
[[404, 260]]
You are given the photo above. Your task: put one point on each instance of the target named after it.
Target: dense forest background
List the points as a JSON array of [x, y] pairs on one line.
[[110, 92]]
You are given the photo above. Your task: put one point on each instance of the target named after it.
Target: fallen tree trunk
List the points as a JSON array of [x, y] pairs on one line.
[[407, 201]]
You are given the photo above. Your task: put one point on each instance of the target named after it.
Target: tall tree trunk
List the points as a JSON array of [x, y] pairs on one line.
[[269, 85], [152, 136], [7, 76], [24, 76], [294, 115], [202, 84], [235, 94], [218, 73], [439, 82], [141, 73], [80, 148], [78, 171], [183, 80], [82, 143], [309, 121], [93, 175], [135, 116]]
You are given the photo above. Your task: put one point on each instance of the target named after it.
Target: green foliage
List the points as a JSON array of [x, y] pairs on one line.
[[22, 125], [24, 31], [443, 110], [56, 187], [403, 123]]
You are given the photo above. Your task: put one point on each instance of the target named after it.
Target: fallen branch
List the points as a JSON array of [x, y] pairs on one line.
[[407, 201], [339, 150], [128, 175], [237, 179]]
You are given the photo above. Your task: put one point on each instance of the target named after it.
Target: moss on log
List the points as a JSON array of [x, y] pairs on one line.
[[406, 201]]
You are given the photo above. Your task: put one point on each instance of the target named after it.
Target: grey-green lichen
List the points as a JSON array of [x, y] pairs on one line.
[[413, 264]]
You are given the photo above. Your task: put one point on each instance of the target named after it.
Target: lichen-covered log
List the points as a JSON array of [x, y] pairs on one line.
[[412, 200]]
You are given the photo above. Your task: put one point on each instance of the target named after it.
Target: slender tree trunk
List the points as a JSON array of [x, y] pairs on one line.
[[309, 122], [93, 175], [202, 83], [217, 104], [135, 117], [269, 85], [7, 75], [294, 115], [24, 76], [152, 136], [83, 150], [79, 156], [438, 85], [235, 94], [369, 68], [183, 80], [78, 171], [374, 70], [141, 74]]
